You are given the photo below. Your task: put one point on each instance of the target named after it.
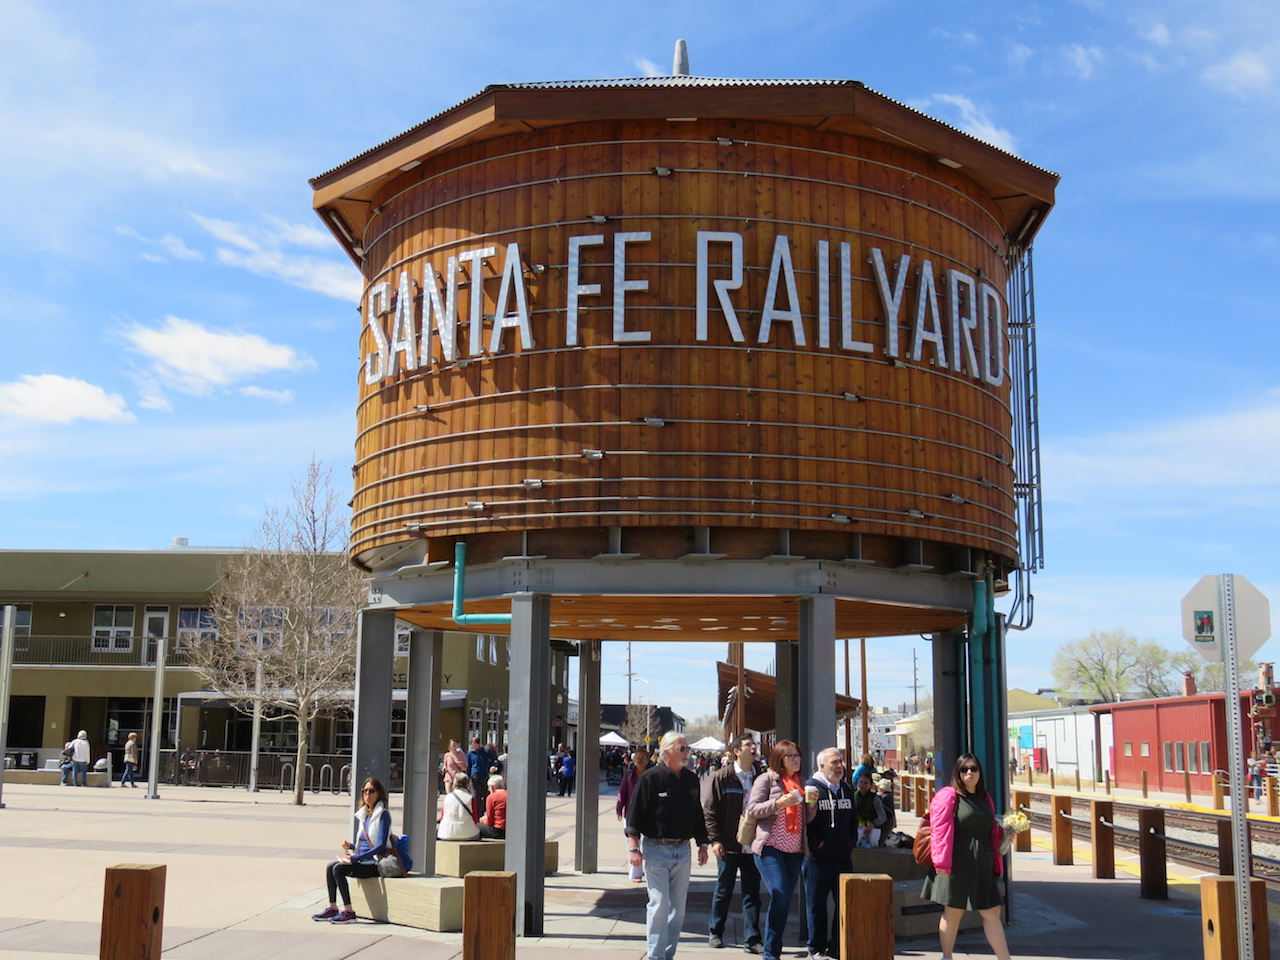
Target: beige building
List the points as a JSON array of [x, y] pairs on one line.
[[88, 625]]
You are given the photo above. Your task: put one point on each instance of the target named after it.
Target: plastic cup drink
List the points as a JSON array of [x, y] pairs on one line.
[[810, 794]]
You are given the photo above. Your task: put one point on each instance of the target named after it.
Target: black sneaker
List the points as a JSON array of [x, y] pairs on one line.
[[714, 940]]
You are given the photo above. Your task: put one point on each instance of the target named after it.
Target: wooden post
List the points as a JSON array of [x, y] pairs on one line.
[[1226, 852], [1217, 791], [1273, 798], [1103, 836], [1107, 779], [489, 915], [1186, 783], [1144, 785], [1077, 779], [1153, 880], [1218, 918], [1052, 785], [905, 791], [866, 916], [1022, 798], [1029, 782], [922, 795], [133, 912], [1063, 855]]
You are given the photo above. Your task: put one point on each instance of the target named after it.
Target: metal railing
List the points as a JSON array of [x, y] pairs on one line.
[[230, 768], [81, 650]]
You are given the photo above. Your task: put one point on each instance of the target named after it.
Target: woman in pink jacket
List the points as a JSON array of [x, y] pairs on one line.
[[964, 843]]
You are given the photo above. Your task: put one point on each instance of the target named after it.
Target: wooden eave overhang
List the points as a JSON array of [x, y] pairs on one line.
[[1023, 192]]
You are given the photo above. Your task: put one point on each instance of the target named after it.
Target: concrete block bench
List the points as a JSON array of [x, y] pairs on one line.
[[458, 858], [427, 903], [50, 777], [896, 862], [913, 916]]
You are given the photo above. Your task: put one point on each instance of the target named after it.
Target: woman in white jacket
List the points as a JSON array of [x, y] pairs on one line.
[[359, 859], [459, 819]]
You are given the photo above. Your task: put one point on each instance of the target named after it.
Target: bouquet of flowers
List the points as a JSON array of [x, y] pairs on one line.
[[1015, 821]]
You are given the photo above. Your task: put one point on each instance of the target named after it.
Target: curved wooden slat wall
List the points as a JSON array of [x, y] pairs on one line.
[[753, 435]]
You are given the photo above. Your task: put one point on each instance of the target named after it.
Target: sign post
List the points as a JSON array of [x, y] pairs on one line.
[[1225, 618]]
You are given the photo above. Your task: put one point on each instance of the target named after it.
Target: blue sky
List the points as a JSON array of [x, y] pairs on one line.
[[180, 332]]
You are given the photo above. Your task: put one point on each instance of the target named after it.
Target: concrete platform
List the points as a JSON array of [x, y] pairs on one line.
[[245, 874]]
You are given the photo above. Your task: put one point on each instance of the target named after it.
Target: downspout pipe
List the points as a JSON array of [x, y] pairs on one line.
[[459, 584]]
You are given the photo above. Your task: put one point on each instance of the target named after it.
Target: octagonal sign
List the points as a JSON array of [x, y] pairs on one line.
[[1203, 619]]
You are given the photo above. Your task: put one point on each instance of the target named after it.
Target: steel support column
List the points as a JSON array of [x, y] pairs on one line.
[[375, 653], [530, 688], [786, 697], [949, 740], [586, 838], [817, 677], [421, 748]]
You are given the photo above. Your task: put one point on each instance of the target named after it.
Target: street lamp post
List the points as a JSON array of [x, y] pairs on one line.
[[648, 709]]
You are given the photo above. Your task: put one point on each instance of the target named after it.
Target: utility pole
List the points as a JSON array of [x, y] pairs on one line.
[[915, 683], [628, 676]]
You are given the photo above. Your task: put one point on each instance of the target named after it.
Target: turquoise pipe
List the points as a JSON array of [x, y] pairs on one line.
[[459, 575], [977, 675]]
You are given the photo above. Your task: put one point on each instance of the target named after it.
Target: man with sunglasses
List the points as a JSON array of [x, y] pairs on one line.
[[665, 813]]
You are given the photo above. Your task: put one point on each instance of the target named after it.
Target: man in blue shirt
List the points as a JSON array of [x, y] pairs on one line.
[[479, 760]]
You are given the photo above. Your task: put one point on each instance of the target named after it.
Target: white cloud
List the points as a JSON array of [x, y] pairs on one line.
[[1082, 60], [275, 396], [975, 121], [50, 398], [197, 360], [1158, 34], [1199, 464], [173, 245], [1242, 75], [1019, 55], [263, 250]]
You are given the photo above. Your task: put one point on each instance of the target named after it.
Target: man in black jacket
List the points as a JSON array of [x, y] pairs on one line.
[[663, 817], [832, 834], [722, 806]]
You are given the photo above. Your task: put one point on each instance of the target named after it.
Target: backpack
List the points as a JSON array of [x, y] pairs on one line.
[[922, 846]]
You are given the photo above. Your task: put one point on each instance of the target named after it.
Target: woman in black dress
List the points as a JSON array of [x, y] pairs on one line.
[[964, 843]]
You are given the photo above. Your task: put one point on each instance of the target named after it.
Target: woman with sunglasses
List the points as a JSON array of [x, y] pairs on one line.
[[373, 839], [964, 839], [777, 802]]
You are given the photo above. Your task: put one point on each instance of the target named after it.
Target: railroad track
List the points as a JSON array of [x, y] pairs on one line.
[[1200, 851]]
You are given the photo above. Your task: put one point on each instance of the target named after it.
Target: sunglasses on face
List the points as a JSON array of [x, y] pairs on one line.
[[368, 790], [683, 749], [968, 769]]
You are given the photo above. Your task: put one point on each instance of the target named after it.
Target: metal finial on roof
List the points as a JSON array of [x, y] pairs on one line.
[[680, 65]]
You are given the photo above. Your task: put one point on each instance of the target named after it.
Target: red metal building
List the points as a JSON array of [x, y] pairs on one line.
[[1175, 736]]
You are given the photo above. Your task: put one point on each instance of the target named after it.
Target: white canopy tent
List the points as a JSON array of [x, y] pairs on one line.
[[707, 743], [611, 739]]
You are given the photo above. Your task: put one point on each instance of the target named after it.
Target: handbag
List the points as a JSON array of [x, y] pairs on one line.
[[390, 865], [922, 845], [746, 829]]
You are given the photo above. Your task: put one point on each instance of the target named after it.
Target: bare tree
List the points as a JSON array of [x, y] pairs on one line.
[[642, 720], [707, 725], [286, 615], [1109, 665]]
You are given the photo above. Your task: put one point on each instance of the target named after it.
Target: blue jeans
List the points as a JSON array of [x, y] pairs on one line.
[[666, 874], [821, 882], [80, 772], [781, 872], [727, 867], [127, 776]]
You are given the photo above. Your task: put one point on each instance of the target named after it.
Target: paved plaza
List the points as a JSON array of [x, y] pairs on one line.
[[245, 874]]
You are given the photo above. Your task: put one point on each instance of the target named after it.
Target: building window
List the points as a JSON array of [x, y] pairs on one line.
[[402, 639], [474, 730], [1193, 759], [1168, 757], [21, 624], [1144, 749], [1128, 748], [493, 649], [480, 647], [495, 731], [1179, 757], [196, 623], [265, 625], [1204, 756], [112, 628]]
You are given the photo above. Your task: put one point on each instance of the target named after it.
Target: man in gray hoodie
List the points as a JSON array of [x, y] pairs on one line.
[[832, 834]]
